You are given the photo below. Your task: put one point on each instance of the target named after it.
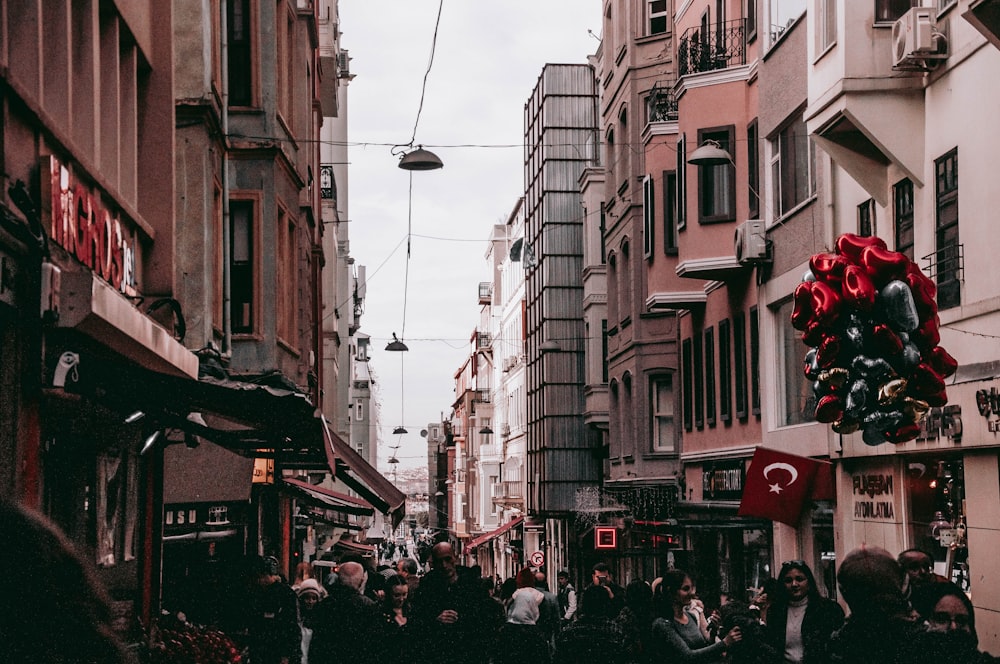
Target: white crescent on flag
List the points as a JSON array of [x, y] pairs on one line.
[[789, 468]]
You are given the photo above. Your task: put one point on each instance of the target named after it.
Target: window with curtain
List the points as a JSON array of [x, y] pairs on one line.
[[717, 184], [662, 413]]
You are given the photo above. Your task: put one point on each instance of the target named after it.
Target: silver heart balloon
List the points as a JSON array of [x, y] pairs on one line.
[[895, 301]]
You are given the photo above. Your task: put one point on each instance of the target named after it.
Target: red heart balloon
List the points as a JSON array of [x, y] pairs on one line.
[[927, 385], [941, 361], [886, 341], [851, 245], [927, 335], [857, 288], [814, 335], [825, 303], [829, 409], [827, 351], [923, 289], [828, 267], [883, 265], [802, 310], [903, 433]]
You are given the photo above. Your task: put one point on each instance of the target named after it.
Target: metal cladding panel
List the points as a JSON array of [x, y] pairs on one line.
[[558, 175], [565, 272], [562, 405], [567, 79], [567, 144], [562, 303], [568, 112]]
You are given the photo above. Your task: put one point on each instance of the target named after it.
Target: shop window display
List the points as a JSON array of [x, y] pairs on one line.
[[936, 493]]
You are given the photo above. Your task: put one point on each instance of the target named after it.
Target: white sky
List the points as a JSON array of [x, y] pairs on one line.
[[487, 61]]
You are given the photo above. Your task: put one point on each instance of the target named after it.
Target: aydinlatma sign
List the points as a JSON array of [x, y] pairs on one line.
[[84, 225]]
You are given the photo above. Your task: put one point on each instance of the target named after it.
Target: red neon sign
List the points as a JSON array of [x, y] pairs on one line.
[[605, 538]]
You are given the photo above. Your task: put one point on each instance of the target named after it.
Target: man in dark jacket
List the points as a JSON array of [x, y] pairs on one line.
[[594, 636], [346, 624], [273, 633], [455, 620]]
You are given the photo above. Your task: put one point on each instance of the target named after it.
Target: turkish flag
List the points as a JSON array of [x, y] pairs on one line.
[[778, 485]]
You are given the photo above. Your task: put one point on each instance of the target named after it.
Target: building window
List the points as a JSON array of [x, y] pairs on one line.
[[888, 11], [625, 286], [866, 218], [699, 383], [751, 20], [902, 208], [604, 351], [241, 52], [826, 24], [648, 216], [793, 159], [725, 372], [656, 12], [740, 363], [625, 416], [681, 182], [782, 15], [614, 303], [662, 414], [753, 166], [797, 404], [754, 361], [717, 184], [623, 153], [242, 265], [948, 258], [669, 213], [615, 416], [217, 272], [687, 365], [710, 376], [612, 159], [287, 255], [604, 249]]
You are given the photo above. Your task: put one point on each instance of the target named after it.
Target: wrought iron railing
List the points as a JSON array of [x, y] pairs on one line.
[[724, 46], [661, 105], [947, 265]]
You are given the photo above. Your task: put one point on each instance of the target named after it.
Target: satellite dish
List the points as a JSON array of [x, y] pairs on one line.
[[423, 433]]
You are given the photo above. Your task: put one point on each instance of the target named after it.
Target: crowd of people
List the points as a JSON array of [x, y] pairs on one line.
[[899, 611]]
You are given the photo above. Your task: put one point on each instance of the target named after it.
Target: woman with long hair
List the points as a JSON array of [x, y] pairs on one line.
[[676, 633], [521, 640], [800, 621], [397, 636]]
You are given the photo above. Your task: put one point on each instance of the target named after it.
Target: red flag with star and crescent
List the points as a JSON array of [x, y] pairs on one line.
[[778, 485]]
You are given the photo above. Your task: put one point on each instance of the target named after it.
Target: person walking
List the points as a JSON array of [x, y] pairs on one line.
[[676, 633], [593, 637], [800, 620], [274, 634], [521, 639], [396, 638], [949, 626], [346, 624], [567, 597]]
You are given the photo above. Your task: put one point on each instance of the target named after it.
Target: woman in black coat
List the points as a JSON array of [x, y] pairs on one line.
[[800, 621]]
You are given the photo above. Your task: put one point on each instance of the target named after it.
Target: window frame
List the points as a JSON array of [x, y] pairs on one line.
[[709, 176], [947, 242], [740, 365], [648, 216], [661, 388], [903, 209], [725, 372], [669, 187], [286, 258], [866, 218], [653, 17], [753, 166], [825, 26], [255, 200], [687, 384], [890, 11], [244, 53], [709, 362], [754, 361], [699, 382], [681, 182], [780, 156]]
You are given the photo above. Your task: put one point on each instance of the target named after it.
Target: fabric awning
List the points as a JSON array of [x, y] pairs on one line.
[[205, 474], [248, 418], [354, 547], [355, 472], [493, 534], [327, 498]]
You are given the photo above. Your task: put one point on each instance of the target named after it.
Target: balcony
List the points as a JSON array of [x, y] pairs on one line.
[[485, 292], [661, 104], [481, 396], [723, 47], [484, 340], [507, 491], [677, 300]]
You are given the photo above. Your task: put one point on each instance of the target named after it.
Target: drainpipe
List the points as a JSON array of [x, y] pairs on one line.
[[227, 323]]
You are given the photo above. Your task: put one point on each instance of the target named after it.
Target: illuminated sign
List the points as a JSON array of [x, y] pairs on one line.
[[605, 538], [879, 491], [83, 225]]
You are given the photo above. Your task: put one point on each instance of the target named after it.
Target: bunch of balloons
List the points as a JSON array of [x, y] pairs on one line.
[[870, 318]]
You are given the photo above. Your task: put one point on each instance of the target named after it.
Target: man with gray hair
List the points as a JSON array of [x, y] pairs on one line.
[[346, 623]]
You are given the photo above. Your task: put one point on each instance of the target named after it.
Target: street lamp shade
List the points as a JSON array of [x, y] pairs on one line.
[[399, 430], [420, 160], [549, 346], [396, 344], [486, 430], [710, 154]]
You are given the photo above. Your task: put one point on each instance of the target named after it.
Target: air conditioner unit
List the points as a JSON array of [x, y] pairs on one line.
[[913, 36], [344, 64], [750, 244]]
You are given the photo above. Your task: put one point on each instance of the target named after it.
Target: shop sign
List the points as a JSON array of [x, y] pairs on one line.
[[988, 403], [945, 423], [83, 225], [723, 480], [873, 497], [605, 537]]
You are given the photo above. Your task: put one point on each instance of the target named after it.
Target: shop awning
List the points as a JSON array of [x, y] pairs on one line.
[[493, 534], [327, 498], [205, 474], [345, 543], [252, 419], [352, 469]]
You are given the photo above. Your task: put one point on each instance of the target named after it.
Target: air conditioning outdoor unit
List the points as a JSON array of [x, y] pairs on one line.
[[913, 37], [750, 244]]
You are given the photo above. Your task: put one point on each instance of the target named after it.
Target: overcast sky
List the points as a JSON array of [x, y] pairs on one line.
[[487, 61]]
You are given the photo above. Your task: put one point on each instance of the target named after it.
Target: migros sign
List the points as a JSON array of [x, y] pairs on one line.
[[85, 227]]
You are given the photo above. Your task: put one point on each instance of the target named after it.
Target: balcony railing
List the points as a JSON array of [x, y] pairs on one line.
[[506, 490], [481, 396], [724, 46], [947, 265], [661, 105]]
